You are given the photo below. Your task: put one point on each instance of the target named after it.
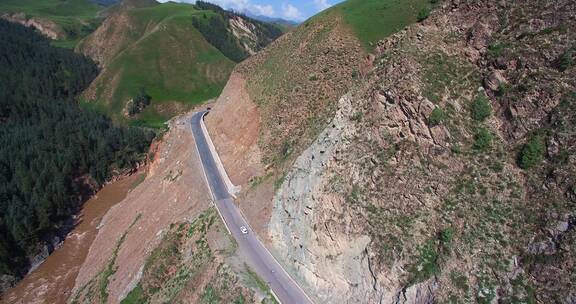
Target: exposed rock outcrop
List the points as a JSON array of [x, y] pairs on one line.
[[494, 81], [315, 232], [245, 32], [388, 208]]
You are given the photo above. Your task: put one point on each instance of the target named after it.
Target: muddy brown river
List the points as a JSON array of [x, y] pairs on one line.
[[53, 280]]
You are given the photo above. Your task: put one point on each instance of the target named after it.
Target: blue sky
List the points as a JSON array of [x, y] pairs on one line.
[[297, 10]]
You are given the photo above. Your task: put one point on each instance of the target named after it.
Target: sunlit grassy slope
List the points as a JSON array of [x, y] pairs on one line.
[[77, 18], [66, 9], [373, 20], [168, 58]]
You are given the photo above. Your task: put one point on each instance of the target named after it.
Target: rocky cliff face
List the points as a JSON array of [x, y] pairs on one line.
[[447, 174], [325, 249], [245, 32]]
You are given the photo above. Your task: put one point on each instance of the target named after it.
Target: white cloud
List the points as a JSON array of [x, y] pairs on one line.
[[237, 5], [322, 4], [264, 10], [291, 12], [288, 10]]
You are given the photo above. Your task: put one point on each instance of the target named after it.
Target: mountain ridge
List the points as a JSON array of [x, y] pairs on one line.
[[274, 20]]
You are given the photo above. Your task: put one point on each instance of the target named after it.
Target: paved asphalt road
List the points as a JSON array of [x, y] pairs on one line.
[[257, 256]]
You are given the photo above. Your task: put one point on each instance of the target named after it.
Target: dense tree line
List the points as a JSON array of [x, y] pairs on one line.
[[207, 6], [215, 30], [139, 102], [48, 144]]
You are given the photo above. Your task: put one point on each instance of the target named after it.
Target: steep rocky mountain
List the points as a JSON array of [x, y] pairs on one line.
[[439, 168], [298, 79], [176, 54]]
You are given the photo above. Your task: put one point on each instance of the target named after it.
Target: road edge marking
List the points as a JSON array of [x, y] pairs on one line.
[[274, 258], [274, 295], [232, 189]]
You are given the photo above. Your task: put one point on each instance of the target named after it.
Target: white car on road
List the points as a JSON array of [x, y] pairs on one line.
[[244, 230]]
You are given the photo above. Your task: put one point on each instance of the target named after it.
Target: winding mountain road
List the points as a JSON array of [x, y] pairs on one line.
[[257, 256]]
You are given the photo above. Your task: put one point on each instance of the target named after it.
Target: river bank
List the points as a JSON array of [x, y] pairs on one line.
[[52, 281]]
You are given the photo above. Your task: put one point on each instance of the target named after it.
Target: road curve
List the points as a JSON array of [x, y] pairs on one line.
[[257, 256]]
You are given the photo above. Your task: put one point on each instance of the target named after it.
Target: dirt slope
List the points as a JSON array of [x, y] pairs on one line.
[[174, 191], [236, 138], [165, 242], [234, 125], [198, 257]]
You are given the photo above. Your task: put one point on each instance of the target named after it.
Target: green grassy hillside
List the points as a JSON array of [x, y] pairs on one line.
[[373, 20], [75, 18], [161, 53], [49, 8]]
